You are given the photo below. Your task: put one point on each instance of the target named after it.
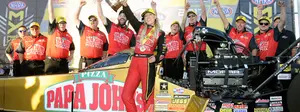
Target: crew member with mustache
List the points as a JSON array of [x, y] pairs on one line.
[[119, 35]]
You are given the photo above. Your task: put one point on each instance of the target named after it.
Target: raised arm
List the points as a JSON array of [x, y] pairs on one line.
[[135, 23], [184, 18], [282, 15], [50, 11], [221, 14], [76, 18], [260, 7], [203, 11], [100, 12]]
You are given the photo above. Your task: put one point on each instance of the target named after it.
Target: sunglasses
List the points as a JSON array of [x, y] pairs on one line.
[[266, 24], [191, 16], [22, 31], [93, 19]]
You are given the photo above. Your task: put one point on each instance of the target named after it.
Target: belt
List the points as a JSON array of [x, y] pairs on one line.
[[90, 58], [56, 58], [142, 55]]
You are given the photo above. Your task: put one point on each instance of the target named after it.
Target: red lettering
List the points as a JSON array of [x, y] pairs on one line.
[[94, 105], [58, 98], [139, 101], [105, 106], [50, 98], [117, 98], [79, 97], [68, 95]]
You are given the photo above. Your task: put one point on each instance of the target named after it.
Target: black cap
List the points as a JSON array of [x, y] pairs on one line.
[[122, 11]]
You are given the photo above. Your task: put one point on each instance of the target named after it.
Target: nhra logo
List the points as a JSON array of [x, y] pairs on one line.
[[17, 5], [15, 15], [263, 2], [226, 10]]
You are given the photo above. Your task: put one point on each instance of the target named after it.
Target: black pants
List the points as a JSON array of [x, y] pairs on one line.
[[56, 66], [17, 68], [173, 68], [30, 68], [189, 54], [87, 61]]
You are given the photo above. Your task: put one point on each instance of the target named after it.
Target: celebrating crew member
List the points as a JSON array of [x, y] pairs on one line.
[[267, 38], [192, 46], [239, 34], [142, 67], [93, 43], [60, 46], [11, 53], [119, 35], [174, 42], [286, 38], [33, 50]]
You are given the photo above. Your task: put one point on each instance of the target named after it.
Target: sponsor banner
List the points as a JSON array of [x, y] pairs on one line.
[[165, 96], [276, 104], [161, 107], [225, 110], [261, 110], [178, 90], [240, 110], [275, 98], [227, 105], [240, 106], [262, 101], [276, 109], [90, 95]]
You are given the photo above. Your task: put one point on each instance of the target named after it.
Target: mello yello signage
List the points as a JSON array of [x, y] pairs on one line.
[[94, 91]]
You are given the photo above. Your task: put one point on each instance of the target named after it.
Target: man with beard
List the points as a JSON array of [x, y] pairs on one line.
[[93, 43], [239, 34], [119, 35], [11, 49], [60, 46]]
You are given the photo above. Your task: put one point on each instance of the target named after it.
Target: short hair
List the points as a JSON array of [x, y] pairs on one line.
[[23, 27]]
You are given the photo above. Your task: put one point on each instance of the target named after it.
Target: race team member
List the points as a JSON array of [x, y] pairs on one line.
[[192, 46], [142, 67], [11, 53], [33, 50], [119, 35], [286, 38], [93, 43], [267, 37], [60, 46], [173, 68], [239, 34]]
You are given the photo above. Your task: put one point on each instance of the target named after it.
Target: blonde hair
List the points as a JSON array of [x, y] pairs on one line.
[[156, 32]]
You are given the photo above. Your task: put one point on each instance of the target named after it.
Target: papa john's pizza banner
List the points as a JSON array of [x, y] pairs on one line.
[[15, 13]]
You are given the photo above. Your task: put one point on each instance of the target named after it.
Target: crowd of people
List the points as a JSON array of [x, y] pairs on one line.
[[36, 54]]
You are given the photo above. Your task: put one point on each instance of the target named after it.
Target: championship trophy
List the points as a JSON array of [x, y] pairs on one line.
[[114, 4]]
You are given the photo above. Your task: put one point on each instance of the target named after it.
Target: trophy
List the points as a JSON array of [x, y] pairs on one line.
[[114, 4]]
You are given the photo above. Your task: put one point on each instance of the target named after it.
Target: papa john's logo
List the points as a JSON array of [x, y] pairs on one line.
[[228, 11], [263, 2], [93, 91]]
